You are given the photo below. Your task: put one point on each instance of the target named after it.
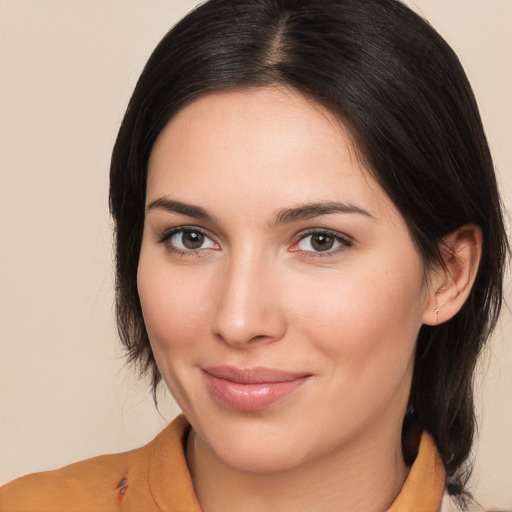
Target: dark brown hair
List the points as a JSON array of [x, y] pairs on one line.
[[401, 91]]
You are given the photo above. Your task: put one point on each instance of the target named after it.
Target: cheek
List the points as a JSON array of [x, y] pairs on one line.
[[366, 323], [173, 305], [353, 304]]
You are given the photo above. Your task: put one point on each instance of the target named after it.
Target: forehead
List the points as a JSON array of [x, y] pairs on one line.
[[271, 143]]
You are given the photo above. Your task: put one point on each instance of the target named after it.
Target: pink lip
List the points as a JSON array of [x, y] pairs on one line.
[[251, 389]]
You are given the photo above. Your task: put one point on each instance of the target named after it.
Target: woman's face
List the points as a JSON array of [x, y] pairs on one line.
[[280, 287]]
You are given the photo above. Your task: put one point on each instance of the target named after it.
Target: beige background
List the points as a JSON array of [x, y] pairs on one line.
[[67, 69]]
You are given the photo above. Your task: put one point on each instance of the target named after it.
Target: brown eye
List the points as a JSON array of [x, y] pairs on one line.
[[320, 242], [188, 240], [192, 239]]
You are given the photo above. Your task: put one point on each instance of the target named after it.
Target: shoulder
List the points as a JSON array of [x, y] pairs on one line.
[[106, 483], [78, 486]]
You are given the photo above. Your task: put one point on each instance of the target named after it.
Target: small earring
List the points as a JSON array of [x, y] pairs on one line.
[[436, 311]]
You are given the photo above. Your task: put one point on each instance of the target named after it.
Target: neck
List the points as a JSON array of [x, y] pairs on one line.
[[365, 476]]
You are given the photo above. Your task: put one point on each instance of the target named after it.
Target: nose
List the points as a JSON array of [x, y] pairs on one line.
[[248, 311]]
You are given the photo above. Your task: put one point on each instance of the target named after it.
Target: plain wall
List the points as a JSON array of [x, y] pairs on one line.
[[67, 69]]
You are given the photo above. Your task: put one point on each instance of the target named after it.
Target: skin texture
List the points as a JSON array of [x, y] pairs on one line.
[[257, 292]]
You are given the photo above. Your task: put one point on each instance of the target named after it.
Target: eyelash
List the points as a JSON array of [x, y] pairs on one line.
[[344, 241], [165, 239]]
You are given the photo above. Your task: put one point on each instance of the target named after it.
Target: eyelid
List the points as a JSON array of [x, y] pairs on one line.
[[345, 240], [167, 234]]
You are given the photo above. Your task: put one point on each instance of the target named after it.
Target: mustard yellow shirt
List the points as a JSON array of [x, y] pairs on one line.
[[156, 478]]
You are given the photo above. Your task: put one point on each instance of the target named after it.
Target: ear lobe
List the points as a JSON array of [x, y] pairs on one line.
[[451, 283]]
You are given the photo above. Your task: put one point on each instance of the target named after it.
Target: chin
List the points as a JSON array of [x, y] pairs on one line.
[[258, 458], [251, 443]]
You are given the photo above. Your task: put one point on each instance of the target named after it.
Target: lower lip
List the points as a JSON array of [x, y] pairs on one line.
[[250, 397]]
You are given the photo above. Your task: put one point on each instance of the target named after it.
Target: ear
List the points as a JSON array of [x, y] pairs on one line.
[[451, 282]]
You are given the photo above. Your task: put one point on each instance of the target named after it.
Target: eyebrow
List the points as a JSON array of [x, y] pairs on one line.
[[172, 206], [308, 211], [283, 216]]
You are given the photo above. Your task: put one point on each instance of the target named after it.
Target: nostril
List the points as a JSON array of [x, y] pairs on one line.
[[257, 338]]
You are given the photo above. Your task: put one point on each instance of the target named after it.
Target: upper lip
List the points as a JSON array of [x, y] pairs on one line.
[[253, 375]]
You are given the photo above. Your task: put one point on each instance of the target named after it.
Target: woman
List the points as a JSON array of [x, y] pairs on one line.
[[309, 250]]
